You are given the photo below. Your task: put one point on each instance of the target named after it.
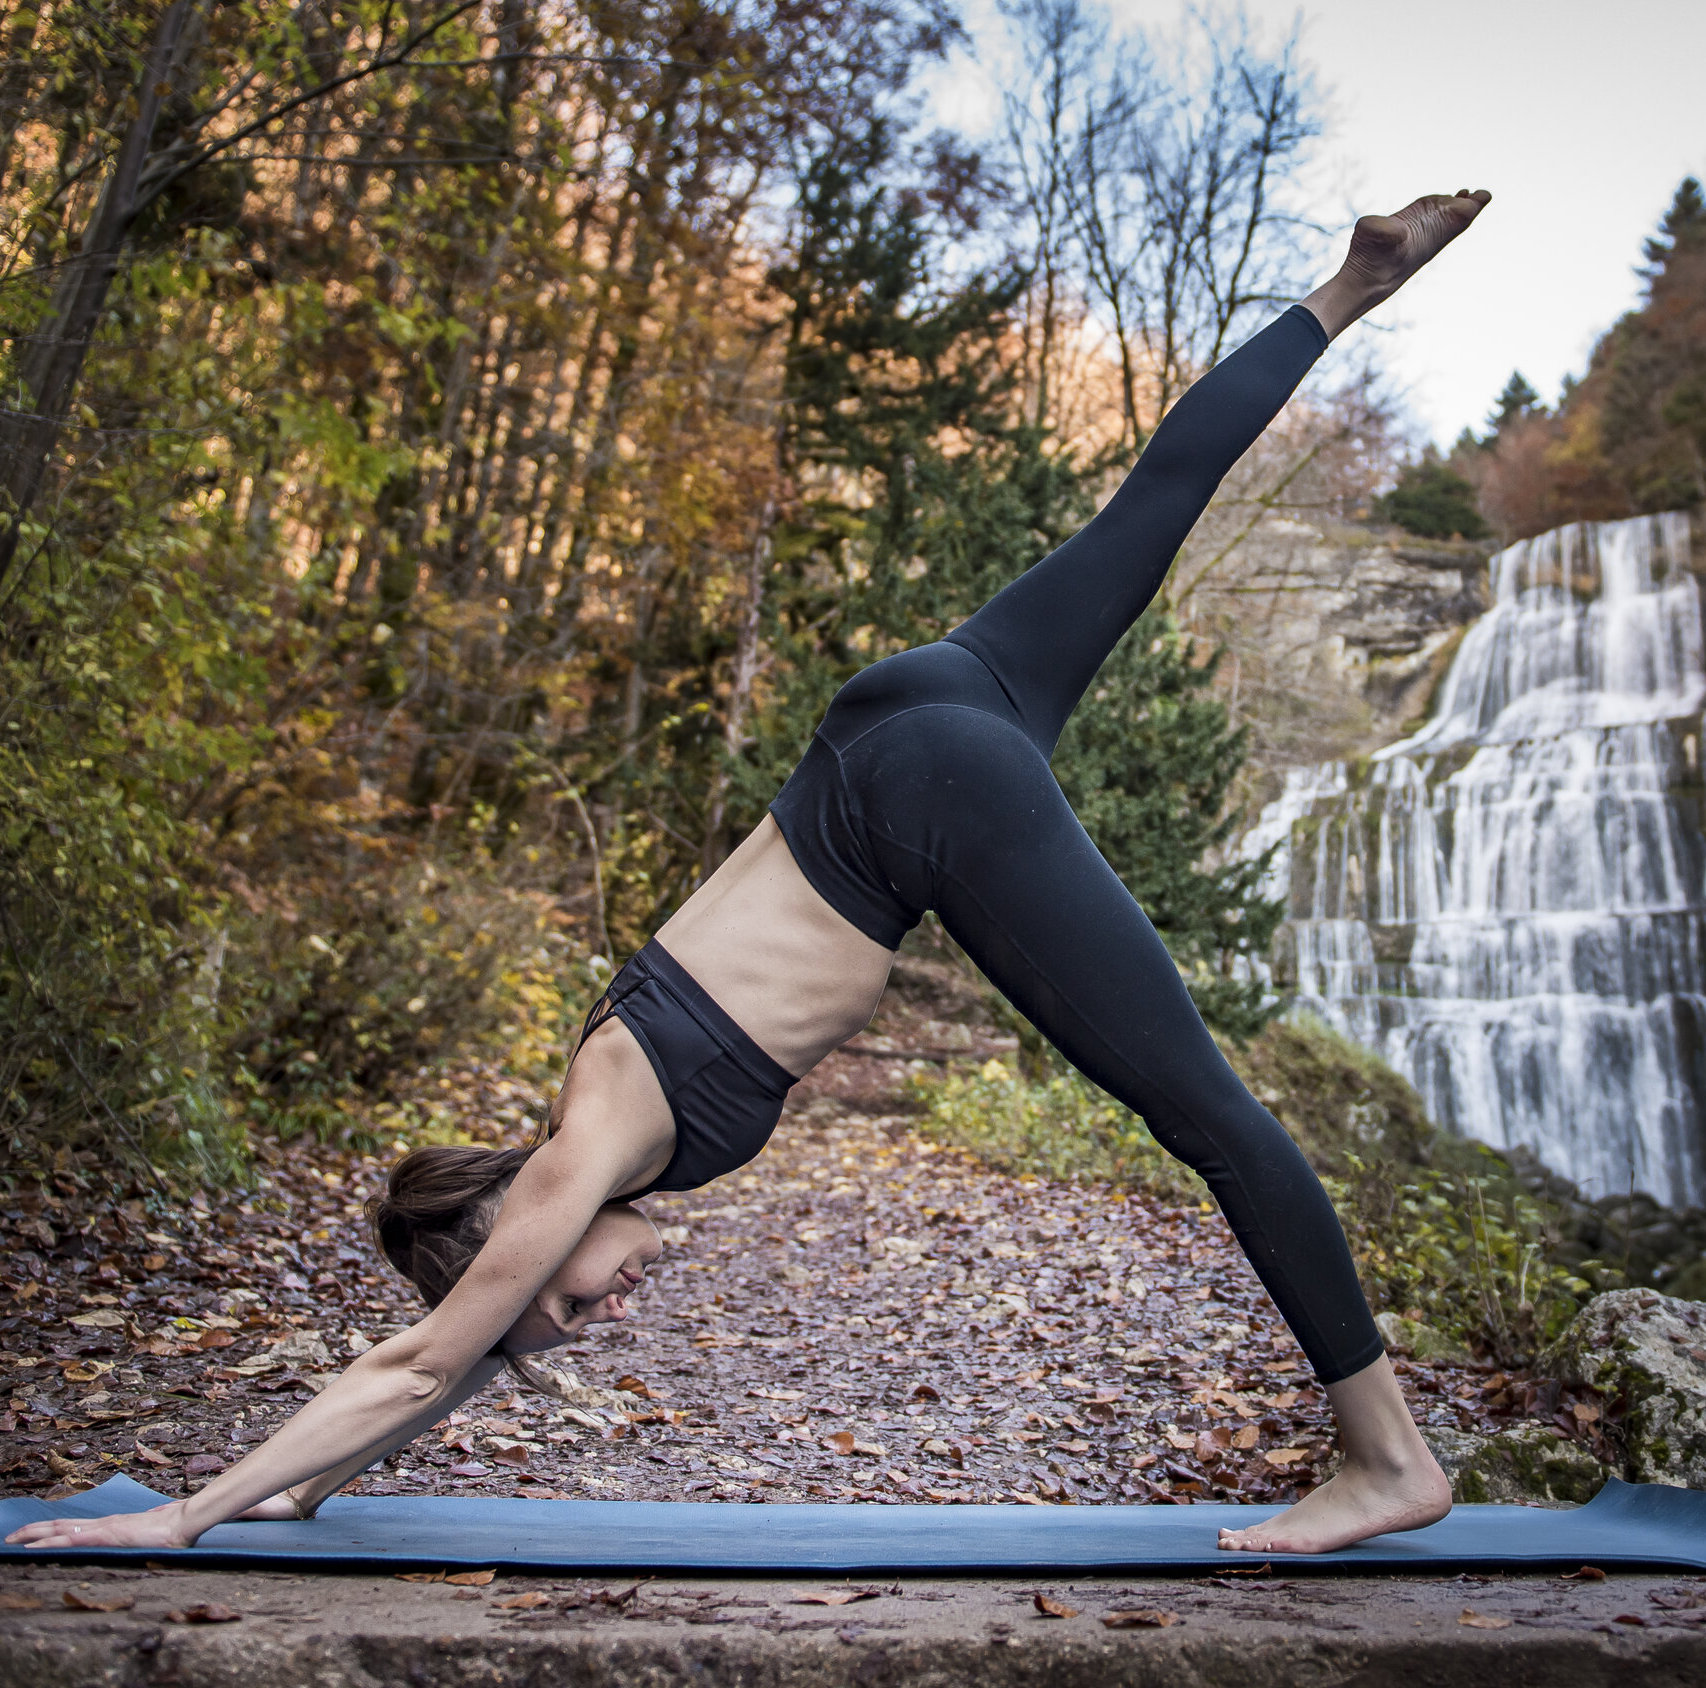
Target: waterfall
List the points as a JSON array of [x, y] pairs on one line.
[[1510, 905]]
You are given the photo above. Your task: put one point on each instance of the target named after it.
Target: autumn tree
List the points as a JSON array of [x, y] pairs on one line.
[[1630, 435]]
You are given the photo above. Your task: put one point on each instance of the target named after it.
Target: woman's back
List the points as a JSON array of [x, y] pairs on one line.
[[792, 973]]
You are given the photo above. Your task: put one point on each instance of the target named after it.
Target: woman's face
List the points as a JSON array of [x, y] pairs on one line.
[[593, 1284]]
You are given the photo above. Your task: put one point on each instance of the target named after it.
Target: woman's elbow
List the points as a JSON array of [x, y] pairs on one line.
[[414, 1366]]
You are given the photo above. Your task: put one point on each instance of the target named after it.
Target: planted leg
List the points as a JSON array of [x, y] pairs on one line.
[[997, 851]]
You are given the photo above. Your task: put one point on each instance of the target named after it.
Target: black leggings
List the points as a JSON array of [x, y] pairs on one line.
[[928, 787]]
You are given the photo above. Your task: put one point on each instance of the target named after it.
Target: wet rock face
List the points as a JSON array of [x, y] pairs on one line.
[[1647, 1353], [1528, 1462], [1339, 630]]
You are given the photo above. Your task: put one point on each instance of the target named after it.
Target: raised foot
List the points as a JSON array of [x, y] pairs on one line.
[[1387, 251], [1350, 1506]]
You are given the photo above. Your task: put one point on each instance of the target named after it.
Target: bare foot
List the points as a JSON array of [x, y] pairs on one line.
[[1387, 251], [1350, 1506]]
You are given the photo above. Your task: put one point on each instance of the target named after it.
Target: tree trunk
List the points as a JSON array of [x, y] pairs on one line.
[[747, 647], [15, 78], [49, 371]]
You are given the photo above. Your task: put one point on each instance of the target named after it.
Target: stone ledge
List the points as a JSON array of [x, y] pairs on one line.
[[372, 1632]]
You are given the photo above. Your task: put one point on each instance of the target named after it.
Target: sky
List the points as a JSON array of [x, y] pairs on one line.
[[1580, 118]]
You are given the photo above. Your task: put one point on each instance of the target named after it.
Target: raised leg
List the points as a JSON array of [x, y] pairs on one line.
[[1046, 634]]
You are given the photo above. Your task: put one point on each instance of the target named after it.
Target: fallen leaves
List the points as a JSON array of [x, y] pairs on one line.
[[462, 1579], [80, 1602], [1285, 1456], [1588, 1573], [86, 1371], [1143, 1617], [835, 1597], [12, 1602], [1048, 1607], [528, 1602], [1471, 1619]]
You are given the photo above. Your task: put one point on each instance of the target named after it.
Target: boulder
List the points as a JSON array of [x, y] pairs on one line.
[[1421, 1342], [1646, 1354], [1527, 1462]]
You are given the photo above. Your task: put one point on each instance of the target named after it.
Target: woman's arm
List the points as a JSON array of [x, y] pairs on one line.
[[416, 1377], [302, 1500]]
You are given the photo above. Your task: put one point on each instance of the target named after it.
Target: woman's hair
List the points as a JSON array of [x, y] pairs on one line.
[[437, 1211]]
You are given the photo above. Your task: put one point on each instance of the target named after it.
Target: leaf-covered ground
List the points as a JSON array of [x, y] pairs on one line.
[[859, 1315]]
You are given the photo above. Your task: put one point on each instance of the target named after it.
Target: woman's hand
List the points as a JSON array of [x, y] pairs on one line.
[[276, 1509], [159, 1526]]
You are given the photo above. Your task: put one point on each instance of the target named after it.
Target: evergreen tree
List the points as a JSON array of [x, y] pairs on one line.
[[917, 489], [1148, 760], [1683, 225], [1517, 400], [1431, 499], [921, 490]]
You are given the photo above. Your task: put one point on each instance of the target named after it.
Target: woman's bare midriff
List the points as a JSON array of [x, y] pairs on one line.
[[795, 976]]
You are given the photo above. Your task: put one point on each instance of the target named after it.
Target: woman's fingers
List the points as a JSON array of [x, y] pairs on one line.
[[158, 1527]]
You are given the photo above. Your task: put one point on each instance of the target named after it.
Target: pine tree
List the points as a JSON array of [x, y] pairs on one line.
[[1431, 499], [1683, 225], [921, 490], [1517, 400], [1148, 760]]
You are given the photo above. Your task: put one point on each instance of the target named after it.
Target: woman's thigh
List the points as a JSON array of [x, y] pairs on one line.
[[977, 828]]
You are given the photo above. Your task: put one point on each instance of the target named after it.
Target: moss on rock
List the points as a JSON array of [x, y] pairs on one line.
[[1646, 1354], [1528, 1462]]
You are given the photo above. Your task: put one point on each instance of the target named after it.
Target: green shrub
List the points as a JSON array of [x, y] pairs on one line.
[[391, 967], [1463, 1248], [1433, 500], [1441, 1228], [1058, 1127]]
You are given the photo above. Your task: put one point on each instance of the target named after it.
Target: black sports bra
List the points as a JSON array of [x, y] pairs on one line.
[[725, 1093]]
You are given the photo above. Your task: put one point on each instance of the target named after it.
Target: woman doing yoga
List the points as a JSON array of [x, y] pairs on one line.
[[927, 786]]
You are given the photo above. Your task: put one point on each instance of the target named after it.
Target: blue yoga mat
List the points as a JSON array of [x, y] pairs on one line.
[[1630, 1525]]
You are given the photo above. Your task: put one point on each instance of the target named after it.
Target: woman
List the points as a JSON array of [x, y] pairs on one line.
[[926, 786]]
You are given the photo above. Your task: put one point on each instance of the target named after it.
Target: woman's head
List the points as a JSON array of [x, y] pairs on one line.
[[593, 1284], [439, 1207]]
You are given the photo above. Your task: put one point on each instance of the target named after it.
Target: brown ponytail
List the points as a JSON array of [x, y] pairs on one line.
[[438, 1209]]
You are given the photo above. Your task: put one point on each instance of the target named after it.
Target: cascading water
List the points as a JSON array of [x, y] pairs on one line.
[[1510, 905]]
